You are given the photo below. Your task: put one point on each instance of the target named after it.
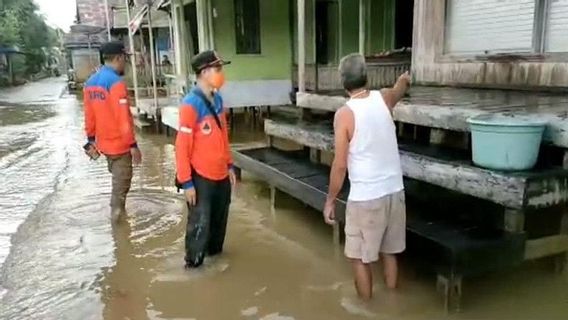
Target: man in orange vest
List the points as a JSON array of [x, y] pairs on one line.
[[108, 123], [204, 163]]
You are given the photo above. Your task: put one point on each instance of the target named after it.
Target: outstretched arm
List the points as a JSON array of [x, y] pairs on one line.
[[393, 95]]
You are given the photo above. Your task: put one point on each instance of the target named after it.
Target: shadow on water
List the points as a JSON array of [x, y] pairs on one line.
[[65, 260]]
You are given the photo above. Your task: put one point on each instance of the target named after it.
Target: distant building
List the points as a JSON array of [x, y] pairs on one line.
[[86, 36]]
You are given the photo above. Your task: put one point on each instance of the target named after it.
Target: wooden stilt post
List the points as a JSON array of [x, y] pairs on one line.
[[273, 200], [238, 173], [301, 45], [400, 129], [514, 221], [562, 260], [157, 114], [362, 25], [451, 287], [315, 155], [437, 136], [337, 235], [302, 49], [133, 59]]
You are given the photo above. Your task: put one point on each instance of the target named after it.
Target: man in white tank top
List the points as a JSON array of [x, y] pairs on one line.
[[366, 146]]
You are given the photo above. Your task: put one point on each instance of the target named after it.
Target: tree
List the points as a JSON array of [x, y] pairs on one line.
[[10, 28], [22, 26]]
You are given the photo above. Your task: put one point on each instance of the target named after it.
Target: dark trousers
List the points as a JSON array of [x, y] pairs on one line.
[[207, 220], [120, 166]]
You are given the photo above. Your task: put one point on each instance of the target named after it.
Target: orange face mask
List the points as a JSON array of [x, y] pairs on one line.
[[217, 79]]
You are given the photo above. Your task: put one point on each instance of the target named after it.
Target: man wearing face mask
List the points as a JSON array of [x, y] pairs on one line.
[[204, 162], [108, 123]]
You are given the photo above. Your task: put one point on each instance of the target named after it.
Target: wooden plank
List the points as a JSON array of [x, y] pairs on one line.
[[248, 145], [296, 170], [546, 246], [455, 118], [484, 184], [296, 188], [546, 191], [449, 108], [141, 124], [319, 102], [146, 105], [314, 136], [532, 189]]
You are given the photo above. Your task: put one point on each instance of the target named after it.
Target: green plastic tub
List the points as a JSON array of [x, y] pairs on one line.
[[505, 142]]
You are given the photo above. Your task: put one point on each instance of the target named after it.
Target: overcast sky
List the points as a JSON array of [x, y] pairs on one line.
[[59, 13]]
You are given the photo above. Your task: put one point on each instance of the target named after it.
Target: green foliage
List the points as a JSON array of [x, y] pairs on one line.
[[9, 28], [21, 25]]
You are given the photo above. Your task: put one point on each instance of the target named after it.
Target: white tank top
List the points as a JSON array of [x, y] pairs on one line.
[[373, 162]]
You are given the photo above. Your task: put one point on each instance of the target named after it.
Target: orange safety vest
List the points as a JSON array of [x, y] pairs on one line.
[[200, 144], [108, 120]]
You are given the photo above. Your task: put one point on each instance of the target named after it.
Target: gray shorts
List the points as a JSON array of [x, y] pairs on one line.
[[375, 226]]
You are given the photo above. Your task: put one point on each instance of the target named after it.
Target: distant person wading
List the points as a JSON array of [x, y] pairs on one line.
[[204, 162], [109, 125]]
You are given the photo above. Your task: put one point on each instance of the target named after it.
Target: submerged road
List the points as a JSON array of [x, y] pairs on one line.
[[61, 259]]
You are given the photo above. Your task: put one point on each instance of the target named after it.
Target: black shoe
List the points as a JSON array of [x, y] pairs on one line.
[[194, 263]]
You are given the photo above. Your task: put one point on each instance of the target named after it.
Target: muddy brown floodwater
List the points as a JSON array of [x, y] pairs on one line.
[[62, 260]]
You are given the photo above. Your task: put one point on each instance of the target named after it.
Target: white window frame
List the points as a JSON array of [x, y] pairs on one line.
[[538, 53]]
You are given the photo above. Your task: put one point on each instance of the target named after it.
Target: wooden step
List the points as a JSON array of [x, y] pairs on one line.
[[449, 108], [539, 188], [292, 173], [140, 123]]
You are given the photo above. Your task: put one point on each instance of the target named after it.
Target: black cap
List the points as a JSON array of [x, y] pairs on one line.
[[112, 48], [207, 59]]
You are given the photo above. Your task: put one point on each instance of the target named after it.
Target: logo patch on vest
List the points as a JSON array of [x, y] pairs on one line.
[[206, 128]]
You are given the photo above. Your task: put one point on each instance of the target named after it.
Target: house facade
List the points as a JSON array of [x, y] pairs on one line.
[[254, 35], [490, 43], [261, 40], [85, 37]]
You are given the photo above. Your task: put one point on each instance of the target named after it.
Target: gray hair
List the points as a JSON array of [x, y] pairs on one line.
[[353, 71]]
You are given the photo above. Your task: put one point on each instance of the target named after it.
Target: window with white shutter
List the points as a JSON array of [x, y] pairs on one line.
[[489, 26], [556, 30]]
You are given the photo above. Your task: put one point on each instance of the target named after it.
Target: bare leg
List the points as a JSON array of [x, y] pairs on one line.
[[390, 270], [363, 279]]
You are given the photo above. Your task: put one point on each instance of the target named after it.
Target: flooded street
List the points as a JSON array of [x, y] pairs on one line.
[[61, 259]]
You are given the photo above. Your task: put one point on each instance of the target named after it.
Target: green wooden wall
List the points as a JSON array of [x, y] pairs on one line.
[[380, 26], [274, 61]]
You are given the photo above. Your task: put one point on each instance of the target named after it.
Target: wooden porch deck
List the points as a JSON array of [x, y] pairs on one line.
[[146, 105], [449, 108], [291, 172], [451, 169]]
